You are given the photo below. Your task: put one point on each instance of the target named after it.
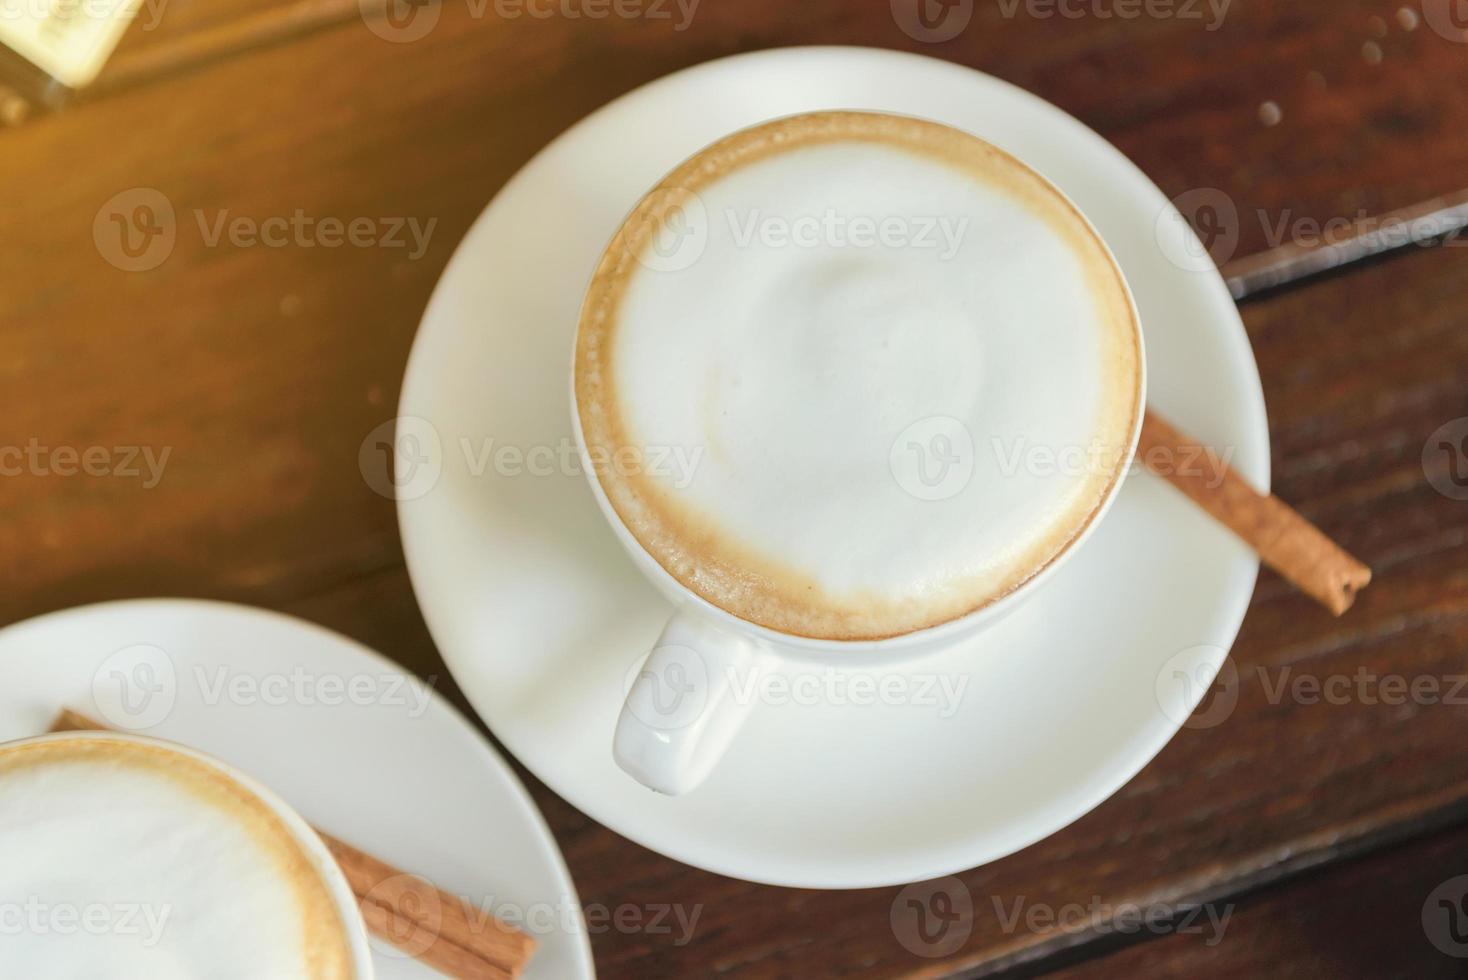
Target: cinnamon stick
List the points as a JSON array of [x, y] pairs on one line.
[[405, 910], [1284, 540], [431, 911]]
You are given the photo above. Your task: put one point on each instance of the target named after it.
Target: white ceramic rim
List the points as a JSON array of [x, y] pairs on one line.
[[488, 755], [311, 842], [1253, 460], [892, 648]]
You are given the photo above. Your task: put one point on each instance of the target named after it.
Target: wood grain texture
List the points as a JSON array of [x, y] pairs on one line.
[[262, 371], [1361, 920], [1363, 95], [284, 355], [1283, 781]]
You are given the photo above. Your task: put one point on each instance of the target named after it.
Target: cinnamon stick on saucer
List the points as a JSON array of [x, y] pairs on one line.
[[430, 925], [1284, 540]]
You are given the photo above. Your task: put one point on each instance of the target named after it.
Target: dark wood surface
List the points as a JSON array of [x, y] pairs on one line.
[[1361, 918], [261, 370]]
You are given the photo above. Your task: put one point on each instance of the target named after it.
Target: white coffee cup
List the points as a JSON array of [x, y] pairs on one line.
[[135, 834], [683, 707]]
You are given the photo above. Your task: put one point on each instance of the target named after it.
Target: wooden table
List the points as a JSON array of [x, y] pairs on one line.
[[1322, 827]]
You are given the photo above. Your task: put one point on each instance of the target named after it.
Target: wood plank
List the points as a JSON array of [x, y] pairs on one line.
[[1362, 919], [261, 369], [1287, 782], [1363, 94]]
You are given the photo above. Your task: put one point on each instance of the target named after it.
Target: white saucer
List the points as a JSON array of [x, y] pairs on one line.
[[541, 616], [389, 767]]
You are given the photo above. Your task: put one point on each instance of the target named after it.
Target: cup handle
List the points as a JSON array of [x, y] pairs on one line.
[[685, 704]]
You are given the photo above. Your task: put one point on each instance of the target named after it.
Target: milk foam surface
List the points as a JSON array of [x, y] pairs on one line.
[[909, 370], [156, 868]]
